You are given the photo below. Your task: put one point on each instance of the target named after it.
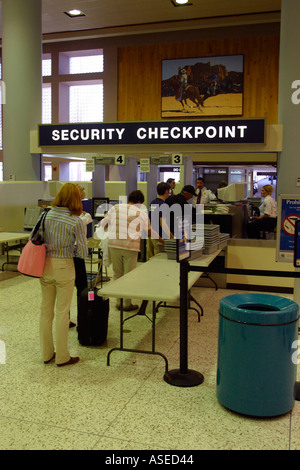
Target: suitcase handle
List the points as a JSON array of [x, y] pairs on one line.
[[100, 265]]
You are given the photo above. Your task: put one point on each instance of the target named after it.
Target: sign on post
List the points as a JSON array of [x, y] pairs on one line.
[[288, 215]]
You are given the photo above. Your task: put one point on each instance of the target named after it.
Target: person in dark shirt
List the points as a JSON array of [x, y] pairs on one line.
[[181, 200], [157, 219]]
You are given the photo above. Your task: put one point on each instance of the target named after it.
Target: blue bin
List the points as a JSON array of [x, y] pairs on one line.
[[256, 375]]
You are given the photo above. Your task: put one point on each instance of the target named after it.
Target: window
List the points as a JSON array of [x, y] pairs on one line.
[[81, 86], [86, 64], [46, 90], [238, 175], [1, 171], [46, 67], [78, 62], [86, 103], [77, 172], [46, 104], [174, 175], [47, 171]]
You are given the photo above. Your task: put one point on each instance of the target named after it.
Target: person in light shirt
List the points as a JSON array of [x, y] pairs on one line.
[[267, 219], [203, 195], [64, 239], [126, 225]]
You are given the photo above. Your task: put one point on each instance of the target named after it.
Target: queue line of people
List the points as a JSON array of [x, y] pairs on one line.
[[66, 249]]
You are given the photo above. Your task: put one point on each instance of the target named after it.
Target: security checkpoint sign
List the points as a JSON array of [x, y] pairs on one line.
[[288, 215], [229, 131]]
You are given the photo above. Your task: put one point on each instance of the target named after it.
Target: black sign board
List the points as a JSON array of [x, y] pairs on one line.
[[234, 131]]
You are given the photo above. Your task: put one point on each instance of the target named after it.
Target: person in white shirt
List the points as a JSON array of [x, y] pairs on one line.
[[267, 220], [204, 195]]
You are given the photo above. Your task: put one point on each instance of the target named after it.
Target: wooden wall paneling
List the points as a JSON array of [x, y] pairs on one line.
[[140, 74]]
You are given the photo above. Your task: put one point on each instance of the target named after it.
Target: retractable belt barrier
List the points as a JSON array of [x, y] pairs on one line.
[[183, 377]]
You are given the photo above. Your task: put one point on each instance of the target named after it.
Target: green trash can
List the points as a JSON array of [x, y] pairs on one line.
[[256, 375]]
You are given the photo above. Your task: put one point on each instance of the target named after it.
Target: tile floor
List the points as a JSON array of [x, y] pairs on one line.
[[127, 405]]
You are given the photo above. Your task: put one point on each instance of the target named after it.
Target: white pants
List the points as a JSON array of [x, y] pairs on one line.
[[57, 284], [123, 261]]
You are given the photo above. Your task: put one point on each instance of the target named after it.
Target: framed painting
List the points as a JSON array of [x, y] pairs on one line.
[[203, 86]]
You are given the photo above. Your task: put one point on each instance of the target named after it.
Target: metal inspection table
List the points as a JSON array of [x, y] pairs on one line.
[[12, 237], [156, 280]]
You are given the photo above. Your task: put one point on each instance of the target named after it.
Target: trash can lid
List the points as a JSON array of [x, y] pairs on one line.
[[259, 309]]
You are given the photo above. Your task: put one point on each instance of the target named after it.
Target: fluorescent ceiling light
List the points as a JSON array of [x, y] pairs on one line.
[[181, 3], [74, 13]]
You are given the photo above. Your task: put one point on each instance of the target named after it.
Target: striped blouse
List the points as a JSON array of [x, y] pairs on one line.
[[64, 234], [127, 224]]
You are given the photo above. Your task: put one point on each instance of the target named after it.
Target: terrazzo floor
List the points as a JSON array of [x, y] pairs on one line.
[[127, 405]]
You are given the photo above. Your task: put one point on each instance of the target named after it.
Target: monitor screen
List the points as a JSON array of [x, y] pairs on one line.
[[232, 192], [113, 203], [100, 206]]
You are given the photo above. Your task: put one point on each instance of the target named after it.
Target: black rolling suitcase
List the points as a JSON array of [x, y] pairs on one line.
[[92, 317]]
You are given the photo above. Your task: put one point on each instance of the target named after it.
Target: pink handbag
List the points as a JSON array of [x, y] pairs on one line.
[[33, 256]]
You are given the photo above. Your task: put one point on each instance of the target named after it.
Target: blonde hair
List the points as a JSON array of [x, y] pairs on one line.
[[268, 188], [69, 196], [81, 190]]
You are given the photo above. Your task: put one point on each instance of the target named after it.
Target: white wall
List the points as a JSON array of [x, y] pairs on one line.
[[241, 255], [14, 197]]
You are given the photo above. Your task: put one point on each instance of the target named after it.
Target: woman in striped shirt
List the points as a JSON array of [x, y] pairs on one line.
[[64, 238]]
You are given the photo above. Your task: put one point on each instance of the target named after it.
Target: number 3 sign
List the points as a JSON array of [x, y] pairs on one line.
[[177, 159]]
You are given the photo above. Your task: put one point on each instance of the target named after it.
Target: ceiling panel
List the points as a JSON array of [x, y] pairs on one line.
[[115, 13]]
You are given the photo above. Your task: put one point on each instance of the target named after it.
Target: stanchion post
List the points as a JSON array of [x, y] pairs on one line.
[[297, 396], [183, 282], [183, 377]]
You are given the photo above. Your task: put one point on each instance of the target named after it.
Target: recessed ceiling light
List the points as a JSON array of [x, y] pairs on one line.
[[74, 13], [181, 3]]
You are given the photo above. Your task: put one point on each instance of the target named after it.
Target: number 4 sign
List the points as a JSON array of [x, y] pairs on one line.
[[119, 159]]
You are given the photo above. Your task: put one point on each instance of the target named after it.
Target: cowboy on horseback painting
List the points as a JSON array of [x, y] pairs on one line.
[[203, 86], [186, 91], [183, 80]]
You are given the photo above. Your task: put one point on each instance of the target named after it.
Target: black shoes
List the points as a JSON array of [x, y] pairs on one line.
[[71, 361], [50, 360]]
